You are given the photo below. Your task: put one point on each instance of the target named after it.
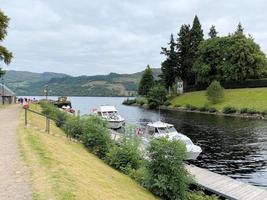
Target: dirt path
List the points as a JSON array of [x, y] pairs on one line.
[[14, 180]]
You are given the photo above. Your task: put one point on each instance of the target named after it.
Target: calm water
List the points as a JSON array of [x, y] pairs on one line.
[[231, 146]]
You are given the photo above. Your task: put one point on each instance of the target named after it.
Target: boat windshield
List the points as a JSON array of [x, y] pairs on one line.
[[169, 129]]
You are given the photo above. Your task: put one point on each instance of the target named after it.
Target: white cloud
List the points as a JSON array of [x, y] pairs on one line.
[[102, 36]]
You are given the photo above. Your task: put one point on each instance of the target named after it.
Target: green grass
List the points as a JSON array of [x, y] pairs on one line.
[[65, 170], [239, 98]]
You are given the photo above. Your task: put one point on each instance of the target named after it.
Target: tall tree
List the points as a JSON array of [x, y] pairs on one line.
[[5, 55], [239, 29], [169, 66], [146, 82], [213, 33], [184, 67], [196, 36]]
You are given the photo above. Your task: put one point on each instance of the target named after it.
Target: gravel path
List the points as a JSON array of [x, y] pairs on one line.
[[14, 180]]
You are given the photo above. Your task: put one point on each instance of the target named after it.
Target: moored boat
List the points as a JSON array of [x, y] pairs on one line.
[[111, 115]]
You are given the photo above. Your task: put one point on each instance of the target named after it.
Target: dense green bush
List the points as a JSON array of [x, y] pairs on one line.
[[190, 107], [196, 195], [141, 101], [156, 96], [215, 92], [96, 136], [74, 127], [252, 111], [167, 176], [124, 156], [167, 103], [264, 112], [229, 110], [129, 101], [212, 110], [204, 108], [243, 110]]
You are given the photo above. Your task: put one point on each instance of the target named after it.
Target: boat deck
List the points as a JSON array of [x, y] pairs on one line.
[[226, 186]]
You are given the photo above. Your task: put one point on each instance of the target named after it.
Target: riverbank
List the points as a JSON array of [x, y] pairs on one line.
[[64, 169]]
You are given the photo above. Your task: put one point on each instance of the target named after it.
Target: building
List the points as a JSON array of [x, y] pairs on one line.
[[6, 95]]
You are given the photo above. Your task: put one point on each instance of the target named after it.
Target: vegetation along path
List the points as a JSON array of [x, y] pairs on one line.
[[13, 173]]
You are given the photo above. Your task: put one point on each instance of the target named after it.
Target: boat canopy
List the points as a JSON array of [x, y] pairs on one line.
[[159, 124], [107, 109]]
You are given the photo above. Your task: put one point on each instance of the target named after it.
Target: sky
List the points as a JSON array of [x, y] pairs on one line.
[[89, 37]]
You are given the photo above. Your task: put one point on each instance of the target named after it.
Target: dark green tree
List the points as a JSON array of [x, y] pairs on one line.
[[5, 55], [213, 33], [231, 58], [196, 36], [239, 29], [169, 66], [184, 66], [215, 93], [146, 82], [156, 96]]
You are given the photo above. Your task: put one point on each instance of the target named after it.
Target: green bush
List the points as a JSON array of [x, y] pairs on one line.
[[167, 103], [177, 105], [212, 110], [197, 195], [167, 176], [190, 107], [139, 175], [215, 92], [243, 110], [264, 112], [124, 156], [96, 136], [61, 118], [129, 101], [252, 111], [204, 108], [229, 110], [74, 127], [156, 96], [141, 101]]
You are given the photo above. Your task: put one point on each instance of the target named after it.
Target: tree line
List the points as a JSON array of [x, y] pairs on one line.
[[198, 61]]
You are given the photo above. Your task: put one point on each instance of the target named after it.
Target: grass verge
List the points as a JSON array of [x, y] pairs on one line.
[[65, 170]]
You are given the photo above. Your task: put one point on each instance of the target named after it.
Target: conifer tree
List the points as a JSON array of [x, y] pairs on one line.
[[239, 29], [169, 66], [213, 33], [146, 82]]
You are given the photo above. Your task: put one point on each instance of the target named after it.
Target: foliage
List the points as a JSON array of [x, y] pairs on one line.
[[229, 110], [231, 58], [167, 176], [156, 96], [169, 66], [212, 110], [215, 93], [204, 108], [5, 55], [96, 136], [74, 127], [124, 156], [213, 33], [146, 82], [129, 101], [196, 195], [243, 110], [167, 103]]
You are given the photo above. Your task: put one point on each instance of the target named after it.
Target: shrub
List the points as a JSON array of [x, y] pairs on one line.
[[212, 110], [74, 127], [139, 175], [177, 105], [243, 110], [204, 108], [96, 136], [215, 92], [156, 96], [129, 101], [196, 195], [264, 112], [167, 103], [252, 111], [229, 110], [125, 156], [61, 118], [190, 107], [167, 176], [141, 101]]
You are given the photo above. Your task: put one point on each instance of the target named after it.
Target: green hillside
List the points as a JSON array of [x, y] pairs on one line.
[[239, 98], [113, 84]]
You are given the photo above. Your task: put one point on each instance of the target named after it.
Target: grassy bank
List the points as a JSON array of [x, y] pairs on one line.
[[239, 98], [63, 169]]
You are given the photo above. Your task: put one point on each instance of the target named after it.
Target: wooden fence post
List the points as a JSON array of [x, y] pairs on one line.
[[26, 120]]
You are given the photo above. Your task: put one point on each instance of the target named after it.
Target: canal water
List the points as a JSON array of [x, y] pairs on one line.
[[231, 146]]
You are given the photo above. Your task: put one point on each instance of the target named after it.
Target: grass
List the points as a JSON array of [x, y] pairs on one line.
[[239, 98], [65, 170]]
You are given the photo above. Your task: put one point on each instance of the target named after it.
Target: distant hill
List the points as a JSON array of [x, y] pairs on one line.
[[113, 84]]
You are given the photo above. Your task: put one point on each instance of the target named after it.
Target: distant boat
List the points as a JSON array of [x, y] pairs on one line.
[[110, 114], [160, 129]]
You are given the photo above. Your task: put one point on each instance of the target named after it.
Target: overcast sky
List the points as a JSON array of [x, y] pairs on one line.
[[87, 37]]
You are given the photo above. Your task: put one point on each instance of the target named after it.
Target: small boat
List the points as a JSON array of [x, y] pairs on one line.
[[110, 114], [160, 129]]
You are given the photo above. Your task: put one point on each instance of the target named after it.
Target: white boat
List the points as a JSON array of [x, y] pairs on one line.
[[160, 129], [110, 114]]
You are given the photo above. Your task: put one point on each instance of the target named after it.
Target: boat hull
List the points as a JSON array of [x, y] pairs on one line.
[[116, 124], [192, 155]]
